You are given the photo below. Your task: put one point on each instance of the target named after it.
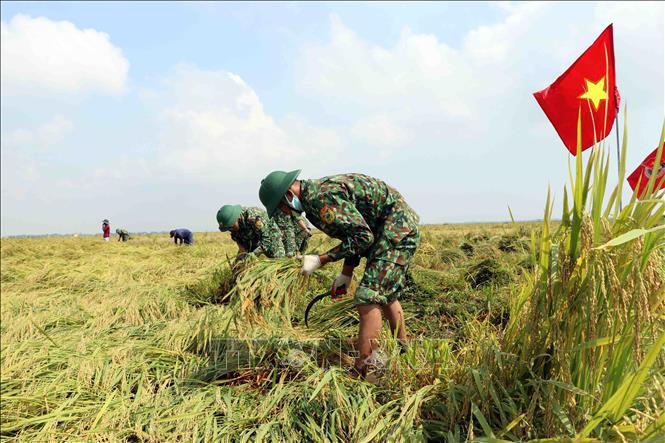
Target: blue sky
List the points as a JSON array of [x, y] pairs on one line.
[[155, 114]]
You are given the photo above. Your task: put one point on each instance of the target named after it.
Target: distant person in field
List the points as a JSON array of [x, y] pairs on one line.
[[295, 232], [372, 220], [252, 231], [106, 230], [183, 235], [123, 234]]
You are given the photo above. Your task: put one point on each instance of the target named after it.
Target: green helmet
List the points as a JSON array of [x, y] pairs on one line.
[[227, 216], [273, 188]]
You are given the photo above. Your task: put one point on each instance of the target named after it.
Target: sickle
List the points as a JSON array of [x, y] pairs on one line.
[[313, 302]]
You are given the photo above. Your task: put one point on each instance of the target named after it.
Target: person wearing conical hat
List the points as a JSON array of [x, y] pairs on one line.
[[106, 230]]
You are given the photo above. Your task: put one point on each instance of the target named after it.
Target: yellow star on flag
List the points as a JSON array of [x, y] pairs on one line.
[[595, 92]]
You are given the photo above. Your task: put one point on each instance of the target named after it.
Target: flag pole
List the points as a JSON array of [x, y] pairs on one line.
[[616, 116]]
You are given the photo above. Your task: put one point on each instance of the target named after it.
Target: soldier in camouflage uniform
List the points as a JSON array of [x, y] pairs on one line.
[[295, 232], [372, 220], [252, 231]]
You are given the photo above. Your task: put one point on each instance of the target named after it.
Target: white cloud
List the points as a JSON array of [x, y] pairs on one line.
[[422, 80], [213, 125], [44, 136], [638, 53], [325, 142], [41, 56], [506, 6], [453, 127], [380, 130], [21, 150], [464, 116], [415, 74]]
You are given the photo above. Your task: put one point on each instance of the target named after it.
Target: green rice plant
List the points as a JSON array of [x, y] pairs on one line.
[[592, 308]]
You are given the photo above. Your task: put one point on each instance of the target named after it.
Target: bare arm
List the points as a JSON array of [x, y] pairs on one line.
[[303, 225]]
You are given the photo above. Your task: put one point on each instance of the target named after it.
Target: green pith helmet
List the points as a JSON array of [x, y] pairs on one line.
[[227, 216], [273, 188]]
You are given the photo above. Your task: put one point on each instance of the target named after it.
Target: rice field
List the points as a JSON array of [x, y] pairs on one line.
[[547, 331], [137, 342]]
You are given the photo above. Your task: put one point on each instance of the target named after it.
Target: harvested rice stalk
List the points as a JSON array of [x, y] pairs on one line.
[[268, 291], [335, 318]]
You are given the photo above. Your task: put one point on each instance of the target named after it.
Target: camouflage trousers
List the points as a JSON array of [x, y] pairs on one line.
[[385, 273]]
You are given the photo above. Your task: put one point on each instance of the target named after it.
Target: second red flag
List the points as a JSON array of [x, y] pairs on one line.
[[640, 176]]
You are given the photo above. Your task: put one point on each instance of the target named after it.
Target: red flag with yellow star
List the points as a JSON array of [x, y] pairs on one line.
[[587, 89], [640, 176]]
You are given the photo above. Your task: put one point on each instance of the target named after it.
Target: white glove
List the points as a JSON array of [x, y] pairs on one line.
[[340, 280], [310, 263]]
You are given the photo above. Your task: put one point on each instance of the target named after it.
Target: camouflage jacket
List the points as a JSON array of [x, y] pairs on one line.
[[293, 235], [258, 233], [367, 215]]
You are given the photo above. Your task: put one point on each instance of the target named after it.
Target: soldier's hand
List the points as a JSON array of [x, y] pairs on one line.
[[310, 263], [340, 285]]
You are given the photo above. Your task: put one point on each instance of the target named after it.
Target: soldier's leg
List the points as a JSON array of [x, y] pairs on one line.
[[382, 285], [369, 299], [395, 315], [368, 334]]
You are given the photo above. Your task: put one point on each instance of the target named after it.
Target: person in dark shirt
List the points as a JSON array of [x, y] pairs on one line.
[[182, 234]]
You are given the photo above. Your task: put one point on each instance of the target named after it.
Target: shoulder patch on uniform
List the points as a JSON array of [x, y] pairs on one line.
[[327, 214], [258, 223]]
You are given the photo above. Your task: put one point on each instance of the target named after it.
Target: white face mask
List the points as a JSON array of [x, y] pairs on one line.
[[294, 204]]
